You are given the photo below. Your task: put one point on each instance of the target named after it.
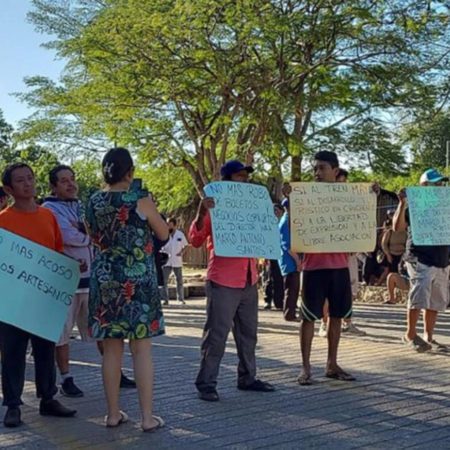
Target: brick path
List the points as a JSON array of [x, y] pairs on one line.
[[399, 401]]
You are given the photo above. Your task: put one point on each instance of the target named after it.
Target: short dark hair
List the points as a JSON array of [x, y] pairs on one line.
[[116, 163], [173, 220], [53, 174], [327, 156], [7, 173], [342, 173]]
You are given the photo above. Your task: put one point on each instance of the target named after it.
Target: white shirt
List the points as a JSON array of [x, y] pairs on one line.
[[177, 242]]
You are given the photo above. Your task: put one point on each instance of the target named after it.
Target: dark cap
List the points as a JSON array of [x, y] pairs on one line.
[[234, 166]]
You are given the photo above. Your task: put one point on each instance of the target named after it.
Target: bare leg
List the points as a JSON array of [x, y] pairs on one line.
[[334, 334], [429, 318], [391, 284], [325, 312], [412, 319], [141, 350], [62, 358], [112, 362], [306, 338]]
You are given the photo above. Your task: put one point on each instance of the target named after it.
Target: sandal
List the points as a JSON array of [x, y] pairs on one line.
[[123, 419], [160, 424], [417, 344], [340, 376], [305, 380]]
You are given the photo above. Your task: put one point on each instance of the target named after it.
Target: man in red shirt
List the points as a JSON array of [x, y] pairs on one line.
[[25, 218], [232, 302]]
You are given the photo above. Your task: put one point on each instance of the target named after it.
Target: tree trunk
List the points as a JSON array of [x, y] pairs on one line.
[[296, 168]]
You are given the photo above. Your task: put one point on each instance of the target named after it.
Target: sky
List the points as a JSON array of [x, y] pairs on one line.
[[21, 56]]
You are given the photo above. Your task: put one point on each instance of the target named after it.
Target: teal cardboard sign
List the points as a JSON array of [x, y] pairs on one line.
[[37, 286], [243, 221], [429, 214]]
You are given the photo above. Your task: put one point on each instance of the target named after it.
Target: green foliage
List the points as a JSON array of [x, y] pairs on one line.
[[371, 146], [429, 141], [190, 82], [88, 175], [171, 187]]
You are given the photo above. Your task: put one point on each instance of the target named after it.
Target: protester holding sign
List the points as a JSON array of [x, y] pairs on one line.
[[25, 218], [232, 302], [325, 277], [124, 301], [428, 271]]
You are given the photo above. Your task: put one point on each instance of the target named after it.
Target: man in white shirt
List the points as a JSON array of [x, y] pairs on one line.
[[174, 248]]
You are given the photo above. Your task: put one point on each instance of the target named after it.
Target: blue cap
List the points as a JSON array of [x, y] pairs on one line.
[[432, 176], [234, 166]]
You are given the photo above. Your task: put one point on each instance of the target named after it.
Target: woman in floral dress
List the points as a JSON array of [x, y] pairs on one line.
[[124, 301]]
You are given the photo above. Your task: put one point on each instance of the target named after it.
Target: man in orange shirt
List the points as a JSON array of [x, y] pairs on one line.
[[25, 218], [232, 303]]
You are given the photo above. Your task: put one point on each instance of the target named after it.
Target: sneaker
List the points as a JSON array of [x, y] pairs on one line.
[[323, 332], [126, 383], [166, 302], [181, 302], [12, 417], [267, 306], [349, 328], [70, 389], [417, 344], [54, 408], [209, 396]]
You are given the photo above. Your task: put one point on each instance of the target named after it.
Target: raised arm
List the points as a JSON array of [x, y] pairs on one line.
[[399, 221], [148, 208]]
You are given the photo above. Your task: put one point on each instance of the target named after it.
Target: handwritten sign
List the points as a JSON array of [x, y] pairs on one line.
[[332, 217], [37, 285], [429, 214], [243, 221]]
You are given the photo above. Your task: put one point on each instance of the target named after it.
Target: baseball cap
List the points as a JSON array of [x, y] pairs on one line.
[[234, 166], [432, 176]]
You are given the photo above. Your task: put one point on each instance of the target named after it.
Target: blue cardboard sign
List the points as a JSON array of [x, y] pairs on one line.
[[243, 221], [37, 286]]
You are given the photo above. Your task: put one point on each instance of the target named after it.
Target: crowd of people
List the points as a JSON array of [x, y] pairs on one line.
[[126, 251]]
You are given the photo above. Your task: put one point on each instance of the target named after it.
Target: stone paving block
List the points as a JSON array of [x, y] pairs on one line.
[[400, 399]]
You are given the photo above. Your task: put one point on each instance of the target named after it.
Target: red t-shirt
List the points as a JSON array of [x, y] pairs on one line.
[[319, 261]]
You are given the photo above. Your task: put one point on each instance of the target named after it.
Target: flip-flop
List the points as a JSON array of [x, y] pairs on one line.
[[305, 380], [159, 425], [340, 376], [389, 302], [123, 419]]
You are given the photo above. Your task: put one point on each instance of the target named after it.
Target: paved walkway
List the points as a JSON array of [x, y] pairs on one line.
[[401, 400]]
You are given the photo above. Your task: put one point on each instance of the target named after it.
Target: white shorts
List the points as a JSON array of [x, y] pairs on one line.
[[77, 314], [428, 287]]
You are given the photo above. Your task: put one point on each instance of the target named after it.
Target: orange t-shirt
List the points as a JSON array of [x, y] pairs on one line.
[[39, 226]]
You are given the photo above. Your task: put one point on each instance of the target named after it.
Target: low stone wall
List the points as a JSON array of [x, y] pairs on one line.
[[378, 294]]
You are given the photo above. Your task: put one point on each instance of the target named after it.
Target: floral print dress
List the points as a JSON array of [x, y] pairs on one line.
[[124, 301]]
